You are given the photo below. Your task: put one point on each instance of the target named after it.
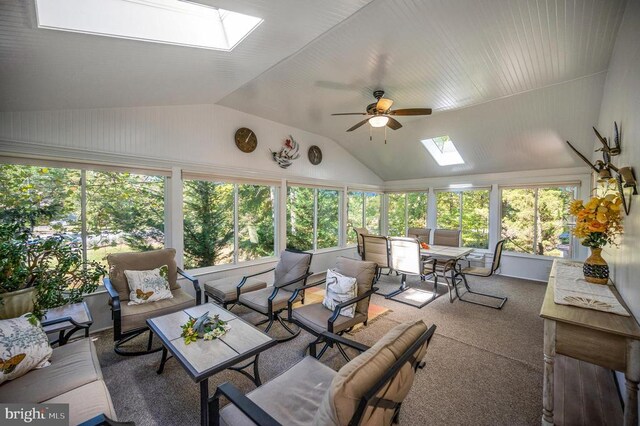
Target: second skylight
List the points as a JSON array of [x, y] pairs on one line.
[[161, 21]]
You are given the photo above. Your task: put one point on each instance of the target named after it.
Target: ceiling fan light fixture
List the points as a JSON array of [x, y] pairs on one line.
[[378, 121]]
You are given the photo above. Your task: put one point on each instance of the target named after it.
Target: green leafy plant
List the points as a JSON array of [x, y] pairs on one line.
[[52, 265]]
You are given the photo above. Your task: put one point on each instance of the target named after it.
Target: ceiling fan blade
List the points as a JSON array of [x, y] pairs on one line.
[[393, 124], [411, 111], [358, 125], [383, 104], [350, 113]]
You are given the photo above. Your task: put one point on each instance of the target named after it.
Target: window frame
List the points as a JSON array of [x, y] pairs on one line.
[[573, 245], [406, 208], [459, 192], [363, 194], [314, 246]]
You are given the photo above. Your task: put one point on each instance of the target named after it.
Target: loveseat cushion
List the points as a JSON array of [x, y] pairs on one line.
[[144, 261], [224, 289], [86, 402], [360, 374], [135, 316], [72, 365], [292, 398]]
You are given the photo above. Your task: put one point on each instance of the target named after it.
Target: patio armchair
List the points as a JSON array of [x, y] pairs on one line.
[[376, 249], [226, 291], [360, 232], [130, 321], [317, 319], [423, 235], [290, 273], [367, 390], [460, 275]]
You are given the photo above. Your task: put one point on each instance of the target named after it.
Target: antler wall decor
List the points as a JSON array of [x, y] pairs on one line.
[[624, 175]]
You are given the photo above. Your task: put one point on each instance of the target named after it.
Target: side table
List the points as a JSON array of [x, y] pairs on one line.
[[67, 320]]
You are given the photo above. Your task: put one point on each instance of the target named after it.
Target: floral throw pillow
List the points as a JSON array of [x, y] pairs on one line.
[[23, 346], [147, 286], [340, 289]]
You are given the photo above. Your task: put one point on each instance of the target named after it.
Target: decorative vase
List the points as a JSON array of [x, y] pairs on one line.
[[16, 303], [595, 268]]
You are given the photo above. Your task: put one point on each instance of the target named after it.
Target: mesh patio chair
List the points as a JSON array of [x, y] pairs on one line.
[[360, 232], [423, 235], [368, 390], [376, 249], [460, 275], [290, 273], [130, 321], [317, 319]]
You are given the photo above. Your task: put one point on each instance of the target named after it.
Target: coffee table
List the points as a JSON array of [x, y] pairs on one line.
[[204, 358]]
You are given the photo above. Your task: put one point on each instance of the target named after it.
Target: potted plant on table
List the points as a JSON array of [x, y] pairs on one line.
[[38, 273], [598, 223]]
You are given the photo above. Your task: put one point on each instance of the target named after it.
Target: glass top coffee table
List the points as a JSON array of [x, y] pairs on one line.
[[204, 358]]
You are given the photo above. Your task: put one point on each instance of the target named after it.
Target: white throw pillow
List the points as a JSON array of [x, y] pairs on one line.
[[340, 289], [23, 347], [147, 286]]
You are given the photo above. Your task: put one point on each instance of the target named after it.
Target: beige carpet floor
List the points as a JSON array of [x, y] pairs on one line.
[[483, 367]]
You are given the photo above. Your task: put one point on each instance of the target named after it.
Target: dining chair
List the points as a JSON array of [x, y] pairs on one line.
[[375, 248], [478, 272], [447, 237], [423, 235], [360, 232]]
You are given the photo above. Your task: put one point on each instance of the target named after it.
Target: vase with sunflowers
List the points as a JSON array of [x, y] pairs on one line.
[[598, 223]]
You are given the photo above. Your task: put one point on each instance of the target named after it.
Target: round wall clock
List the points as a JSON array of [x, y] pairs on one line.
[[246, 139], [315, 155]]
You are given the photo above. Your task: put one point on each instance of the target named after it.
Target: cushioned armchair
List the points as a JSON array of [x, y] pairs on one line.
[[290, 273], [225, 291], [367, 390], [130, 321], [317, 319]]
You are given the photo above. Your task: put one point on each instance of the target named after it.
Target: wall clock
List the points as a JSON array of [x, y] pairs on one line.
[[246, 139], [315, 155]]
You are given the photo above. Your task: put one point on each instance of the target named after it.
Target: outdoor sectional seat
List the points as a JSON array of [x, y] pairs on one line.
[[225, 290], [74, 377], [367, 390]]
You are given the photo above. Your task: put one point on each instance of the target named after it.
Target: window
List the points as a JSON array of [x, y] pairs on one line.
[[212, 236], [443, 151], [161, 21], [363, 212], [313, 218], [468, 211], [535, 220], [124, 211], [406, 211]]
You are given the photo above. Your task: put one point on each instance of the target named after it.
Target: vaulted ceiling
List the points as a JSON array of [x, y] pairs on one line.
[[508, 80]]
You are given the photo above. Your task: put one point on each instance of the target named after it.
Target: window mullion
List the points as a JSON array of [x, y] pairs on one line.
[[406, 213], [535, 222], [83, 212], [315, 218], [235, 224]]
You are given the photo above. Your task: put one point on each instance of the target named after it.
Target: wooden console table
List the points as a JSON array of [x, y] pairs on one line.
[[609, 340]]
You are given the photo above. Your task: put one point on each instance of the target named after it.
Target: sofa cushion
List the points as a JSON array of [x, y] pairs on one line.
[[360, 375], [292, 398], [86, 402], [23, 347], [224, 289], [143, 261], [72, 365], [257, 300], [135, 316], [363, 272], [315, 317]]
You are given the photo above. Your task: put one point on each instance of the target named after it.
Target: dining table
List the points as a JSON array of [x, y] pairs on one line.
[[444, 254]]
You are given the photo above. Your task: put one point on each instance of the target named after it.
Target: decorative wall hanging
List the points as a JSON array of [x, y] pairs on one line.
[[246, 140], [287, 153], [625, 177], [315, 155]]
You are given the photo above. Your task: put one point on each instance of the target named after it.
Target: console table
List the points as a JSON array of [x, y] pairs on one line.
[[609, 340]]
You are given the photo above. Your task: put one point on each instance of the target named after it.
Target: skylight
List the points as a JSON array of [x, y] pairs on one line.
[[443, 151], [159, 21]]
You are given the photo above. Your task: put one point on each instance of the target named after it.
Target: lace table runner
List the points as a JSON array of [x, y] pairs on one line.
[[572, 289]]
